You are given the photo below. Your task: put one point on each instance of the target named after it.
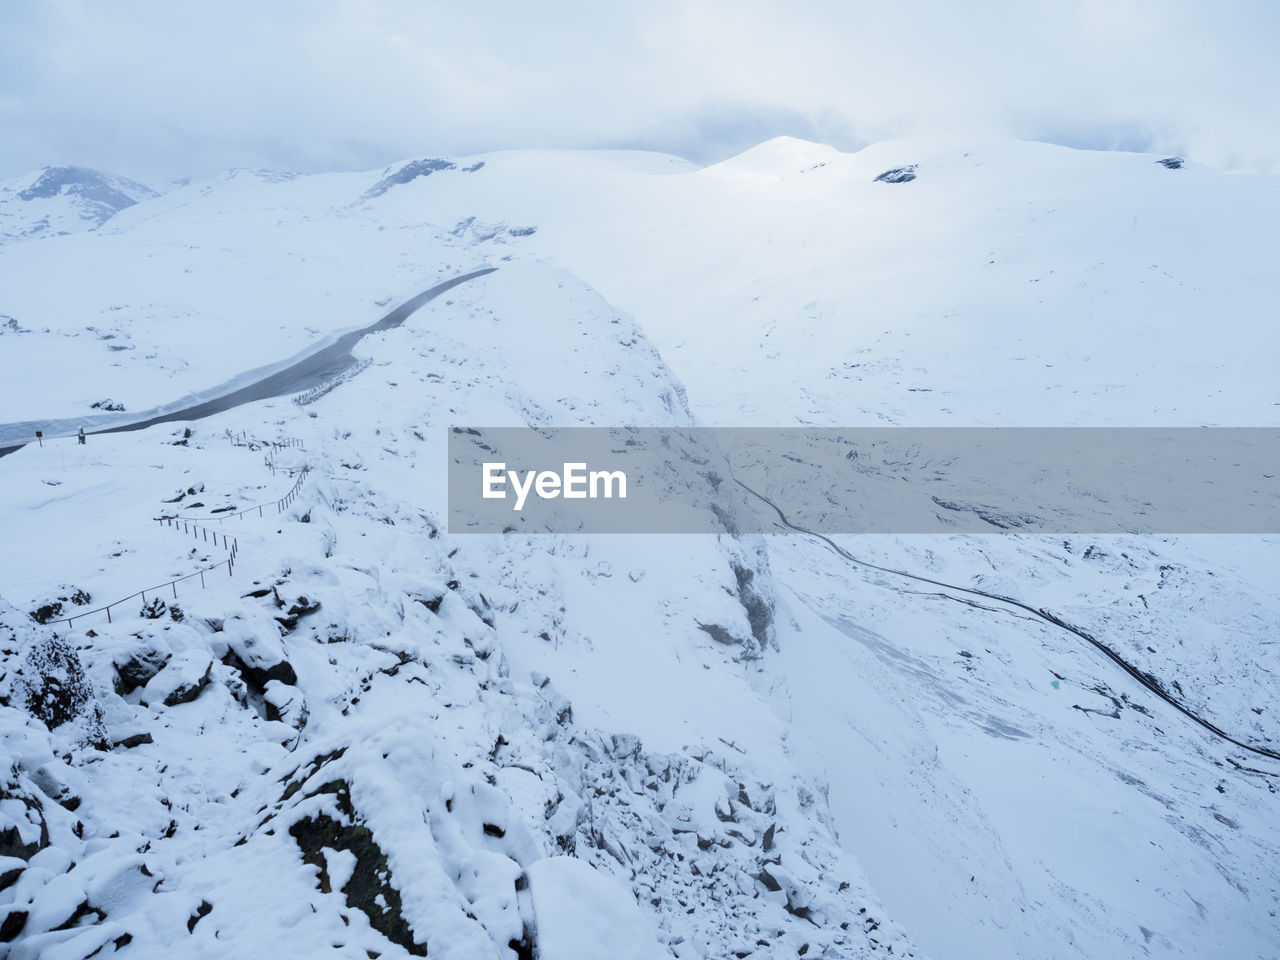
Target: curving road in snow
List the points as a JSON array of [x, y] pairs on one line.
[[316, 366], [1149, 682]]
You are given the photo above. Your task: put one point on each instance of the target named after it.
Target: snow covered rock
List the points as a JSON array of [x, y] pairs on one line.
[[406, 172], [53, 607], [50, 682], [134, 668], [898, 175]]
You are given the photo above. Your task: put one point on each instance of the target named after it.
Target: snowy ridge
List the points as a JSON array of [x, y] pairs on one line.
[[381, 737], [63, 200], [318, 684]]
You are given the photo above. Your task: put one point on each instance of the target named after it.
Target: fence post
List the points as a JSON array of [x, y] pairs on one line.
[[229, 566], [174, 584], [201, 579], [108, 613]]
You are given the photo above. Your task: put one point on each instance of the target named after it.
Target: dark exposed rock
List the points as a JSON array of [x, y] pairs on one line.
[[297, 610], [898, 175], [997, 517], [286, 704], [1171, 163], [202, 911], [187, 692], [431, 603], [407, 172], [719, 634], [11, 844], [313, 767], [139, 668], [370, 888], [759, 609], [190, 492], [9, 877], [258, 677], [52, 609], [137, 740], [12, 925], [767, 879], [47, 612], [81, 913]]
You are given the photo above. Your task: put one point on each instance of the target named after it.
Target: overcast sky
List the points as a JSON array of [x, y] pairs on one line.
[[157, 89]]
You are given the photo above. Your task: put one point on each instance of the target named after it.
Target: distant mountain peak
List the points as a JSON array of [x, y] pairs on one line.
[[65, 199], [111, 191]]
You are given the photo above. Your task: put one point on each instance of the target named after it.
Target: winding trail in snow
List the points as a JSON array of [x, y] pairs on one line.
[[1148, 681], [322, 364]]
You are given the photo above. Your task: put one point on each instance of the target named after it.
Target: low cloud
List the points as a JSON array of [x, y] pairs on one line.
[[157, 90]]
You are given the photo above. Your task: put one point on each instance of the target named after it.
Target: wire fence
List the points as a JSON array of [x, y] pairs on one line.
[[320, 389], [171, 585], [270, 460], [260, 509], [273, 447], [206, 535], [242, 439]]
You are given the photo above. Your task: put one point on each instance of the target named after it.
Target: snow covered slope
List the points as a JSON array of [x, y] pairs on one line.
[[184, 292], [1009, 282], [62, 200], [1006, 283], [378, 738], [765, 748]]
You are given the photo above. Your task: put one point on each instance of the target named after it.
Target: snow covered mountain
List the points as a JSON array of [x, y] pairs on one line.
[[370, 737], [62, 200]]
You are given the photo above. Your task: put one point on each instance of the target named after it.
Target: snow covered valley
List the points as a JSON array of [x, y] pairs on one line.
[[370, 737]]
